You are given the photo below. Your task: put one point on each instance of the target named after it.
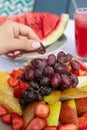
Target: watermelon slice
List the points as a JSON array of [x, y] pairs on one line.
[[49, 27]]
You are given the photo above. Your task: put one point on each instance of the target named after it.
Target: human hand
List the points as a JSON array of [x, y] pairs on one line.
[[16, 38]]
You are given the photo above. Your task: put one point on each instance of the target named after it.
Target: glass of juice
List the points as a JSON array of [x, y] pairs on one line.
[[80, 18]]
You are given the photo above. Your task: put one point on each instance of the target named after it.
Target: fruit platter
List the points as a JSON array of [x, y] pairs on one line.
[[47, 94]]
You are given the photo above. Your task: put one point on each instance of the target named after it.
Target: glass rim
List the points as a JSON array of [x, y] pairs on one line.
[[82, 9]]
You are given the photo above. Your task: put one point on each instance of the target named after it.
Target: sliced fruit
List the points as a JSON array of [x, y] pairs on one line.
[[28, 112], [3, 110], [68, 112], [53, 97], [6, 95], [81, 105], [41, 110], [48, 23], [82, 123], [50, 128], [13, 82], [18, 91], [67, 127], [52, 119], [57, 32], [73, 93], [82, 81], [13, 114], [17, 123], [49, 27], [84, 88], [36, 124], [16, 73], [85, 114], [6, 119]]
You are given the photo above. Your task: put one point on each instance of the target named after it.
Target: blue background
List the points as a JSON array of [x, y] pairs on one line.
[[58, 6]]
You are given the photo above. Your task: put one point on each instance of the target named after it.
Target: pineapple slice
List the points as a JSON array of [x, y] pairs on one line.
[[6, 95]]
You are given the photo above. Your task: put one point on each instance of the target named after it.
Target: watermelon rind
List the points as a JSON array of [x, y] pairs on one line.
[[57, 32]]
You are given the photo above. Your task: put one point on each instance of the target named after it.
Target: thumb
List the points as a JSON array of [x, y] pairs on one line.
[[19, 44]]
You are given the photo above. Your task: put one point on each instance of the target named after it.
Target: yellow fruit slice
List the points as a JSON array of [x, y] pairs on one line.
[[53, 118], [6, 95], [53, 97]]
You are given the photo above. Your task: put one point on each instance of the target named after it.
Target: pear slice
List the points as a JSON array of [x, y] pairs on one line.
[[52, 119], [82, 81], [6, 95], [28, 112], [53, 97], [81, 105], [68, 112], [73, 93]]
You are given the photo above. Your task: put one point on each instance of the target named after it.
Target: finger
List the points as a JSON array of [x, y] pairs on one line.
[[17, 44], [25, 31]]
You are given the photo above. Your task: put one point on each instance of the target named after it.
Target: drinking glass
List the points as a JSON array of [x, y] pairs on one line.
[[80, 18]]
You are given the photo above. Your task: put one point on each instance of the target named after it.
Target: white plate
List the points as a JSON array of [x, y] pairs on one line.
[[50, 49], [3, 126]]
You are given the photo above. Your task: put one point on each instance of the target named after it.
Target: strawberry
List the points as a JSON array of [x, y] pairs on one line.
[[82, 123], [50, 128], [17, 123], [16, 73], [76, 72], [18, 91], [36, 124], [13, 82], [3, 110], [6, 119], [42, 110], [85, 114], [13, 115], [67, 127], [82, 66]]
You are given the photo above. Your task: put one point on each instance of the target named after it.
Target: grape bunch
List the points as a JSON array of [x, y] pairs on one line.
[[47, 74]]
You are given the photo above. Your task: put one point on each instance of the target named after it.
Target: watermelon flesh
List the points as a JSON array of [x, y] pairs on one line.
[[41, 23], [49, 27]]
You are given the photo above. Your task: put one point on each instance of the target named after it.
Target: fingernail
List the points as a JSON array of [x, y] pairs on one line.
[[36, 44]]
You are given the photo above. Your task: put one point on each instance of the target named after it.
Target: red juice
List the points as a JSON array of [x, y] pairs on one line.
[[81, 33]]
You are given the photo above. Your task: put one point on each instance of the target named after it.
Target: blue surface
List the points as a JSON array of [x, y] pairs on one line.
[[53, 6]]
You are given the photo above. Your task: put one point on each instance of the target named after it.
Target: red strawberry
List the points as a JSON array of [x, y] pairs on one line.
[[16, 73], [3, 110], [76, 73], [18, 91], [6, 119], [82, 66], [13, 115], [85, 114], [36, 124], [13, 82], [82, 123], [17, 123], [67, 127], [42, 110], [50, 128]]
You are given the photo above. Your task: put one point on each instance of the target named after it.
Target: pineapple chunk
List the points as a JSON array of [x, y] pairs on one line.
[[6, 95]]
